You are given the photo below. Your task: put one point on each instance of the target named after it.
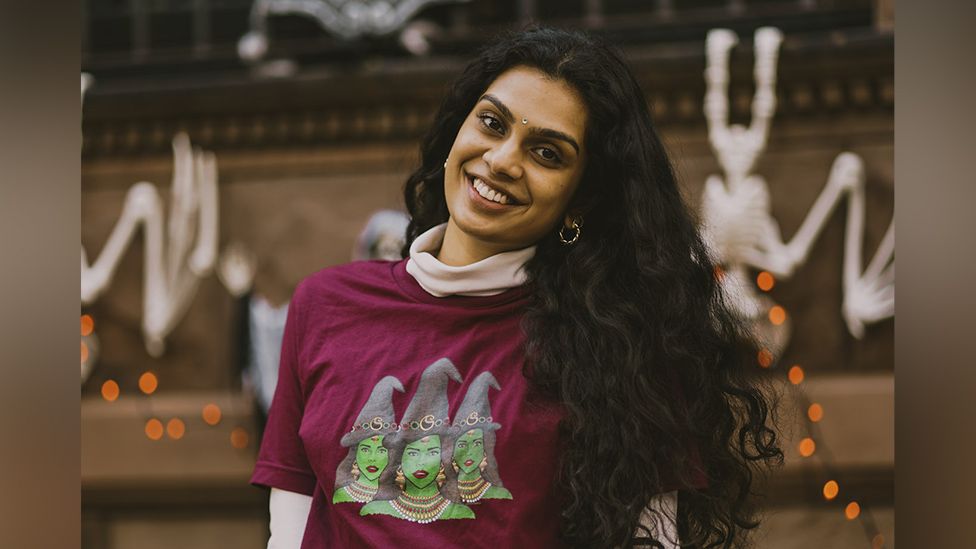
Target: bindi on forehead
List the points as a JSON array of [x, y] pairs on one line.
[[528, 87]]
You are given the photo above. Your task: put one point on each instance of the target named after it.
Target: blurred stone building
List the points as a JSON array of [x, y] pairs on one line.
[[317, 132]]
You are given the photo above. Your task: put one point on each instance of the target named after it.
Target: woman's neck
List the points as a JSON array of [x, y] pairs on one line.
[[459, 249]]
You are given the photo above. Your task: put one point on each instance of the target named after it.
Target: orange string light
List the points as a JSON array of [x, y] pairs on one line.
[[777, 315], [238, 438], [765, 281], [852, 510], [154, 429], [796, 374], [148, 383], [110, 390], [831, 489], [815, 412], [877, 542], [765, 358], [87, 325], [807, 447], [175, 428], [84, 352], [211, 414]]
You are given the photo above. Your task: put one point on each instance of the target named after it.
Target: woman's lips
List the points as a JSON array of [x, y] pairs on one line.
[[420, 474], [481, 201], [468, 462], [372, 468]]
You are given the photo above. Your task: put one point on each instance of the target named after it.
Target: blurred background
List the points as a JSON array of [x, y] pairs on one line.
[[233, 147]]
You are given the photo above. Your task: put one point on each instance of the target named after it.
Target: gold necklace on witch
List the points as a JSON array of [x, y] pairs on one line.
[[360, 492], [472, 490], [420, 509]]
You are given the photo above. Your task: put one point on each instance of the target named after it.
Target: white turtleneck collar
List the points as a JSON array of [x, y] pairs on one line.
[[490, 276]]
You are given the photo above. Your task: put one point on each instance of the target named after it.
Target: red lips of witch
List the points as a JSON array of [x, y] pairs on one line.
[[372, 468], [420, 474], [468, 462]]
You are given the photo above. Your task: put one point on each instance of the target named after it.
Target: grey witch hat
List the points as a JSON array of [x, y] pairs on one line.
[[475, 410], [376, 417], [428, 412]]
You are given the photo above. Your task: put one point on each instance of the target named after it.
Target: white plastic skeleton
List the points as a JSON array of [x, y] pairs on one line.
[[179, 250], [738, 224]]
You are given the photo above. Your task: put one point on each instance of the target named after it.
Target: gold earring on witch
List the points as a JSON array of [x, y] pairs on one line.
[[455, 466], [400, 480], [576, 229], [484, 464], [355, 471], [445, 164], [441, 477]]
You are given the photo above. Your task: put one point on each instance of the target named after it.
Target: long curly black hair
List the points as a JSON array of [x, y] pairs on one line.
[[628, 327]]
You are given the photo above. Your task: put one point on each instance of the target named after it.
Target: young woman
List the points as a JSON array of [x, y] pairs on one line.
[[552, 263]]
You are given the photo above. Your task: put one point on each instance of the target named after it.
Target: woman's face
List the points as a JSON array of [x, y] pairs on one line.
[[422, 461], [469, 450], [372, 457], [523, 141]]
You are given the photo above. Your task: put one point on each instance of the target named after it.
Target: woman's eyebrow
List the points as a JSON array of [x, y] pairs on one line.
[[545, 132], [501, 106]]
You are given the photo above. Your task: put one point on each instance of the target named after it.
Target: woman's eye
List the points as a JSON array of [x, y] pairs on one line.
[[548, 154], [488, 120]]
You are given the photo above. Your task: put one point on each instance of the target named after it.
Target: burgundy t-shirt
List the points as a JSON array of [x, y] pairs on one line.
[[407, 418]]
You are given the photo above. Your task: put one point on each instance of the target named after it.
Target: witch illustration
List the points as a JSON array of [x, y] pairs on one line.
[[357, 478], [474, 446], [424, 493]]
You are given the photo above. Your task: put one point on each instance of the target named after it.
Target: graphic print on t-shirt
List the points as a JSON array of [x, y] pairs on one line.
[[425, 467], [357, 479]]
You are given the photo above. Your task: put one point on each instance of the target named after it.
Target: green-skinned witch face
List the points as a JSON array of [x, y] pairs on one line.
[[422, 461], [469, 450], [372, 457]]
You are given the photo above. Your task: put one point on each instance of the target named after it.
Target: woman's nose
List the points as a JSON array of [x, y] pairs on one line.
[[505, 159]]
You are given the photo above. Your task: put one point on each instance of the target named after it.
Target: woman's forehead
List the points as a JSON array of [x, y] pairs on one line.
[[544, 102]]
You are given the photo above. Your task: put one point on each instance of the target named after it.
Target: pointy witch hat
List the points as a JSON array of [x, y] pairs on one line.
[[427, 413], [376, 417], [475, 410]]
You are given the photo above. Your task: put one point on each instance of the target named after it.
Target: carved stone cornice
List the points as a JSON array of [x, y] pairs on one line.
[[819, 76]]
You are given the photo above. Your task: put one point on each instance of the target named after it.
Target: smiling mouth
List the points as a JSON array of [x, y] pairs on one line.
[[420, 474], [372, 468], [468, 462], [488, 193]]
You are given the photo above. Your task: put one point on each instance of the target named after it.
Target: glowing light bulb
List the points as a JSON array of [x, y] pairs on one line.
[[175, 428], [831, 489], [807, 447], [796, 374], [852, 510], [765, 281], [815, 412], [777, 315], [238, 438], [87, 325], [148, 383], [154, 429], [110, 390], [211, 414], [765, 358]]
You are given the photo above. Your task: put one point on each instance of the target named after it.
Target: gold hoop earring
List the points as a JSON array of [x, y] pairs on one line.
[[576, 228]]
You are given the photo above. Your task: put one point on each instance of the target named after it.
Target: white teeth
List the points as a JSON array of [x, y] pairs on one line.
[[489, 193]]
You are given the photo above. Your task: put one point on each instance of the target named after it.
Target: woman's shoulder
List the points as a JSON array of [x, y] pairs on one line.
[[356, 275]]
